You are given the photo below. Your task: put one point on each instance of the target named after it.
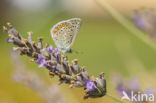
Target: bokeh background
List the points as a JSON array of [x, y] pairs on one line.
[[106, 45]]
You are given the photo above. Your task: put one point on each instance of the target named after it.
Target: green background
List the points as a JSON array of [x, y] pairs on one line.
[[106, 45]]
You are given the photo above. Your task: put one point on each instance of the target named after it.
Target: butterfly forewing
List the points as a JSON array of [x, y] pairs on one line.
[[76, 24]]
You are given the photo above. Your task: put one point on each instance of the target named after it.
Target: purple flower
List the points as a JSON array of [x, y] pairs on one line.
[[12, 31], [10, 41], [140, 21], [41, 61], [90, 85], [125, 86], [56, 51], [134, 85], [50, 49], [120, 90], [150, 91]]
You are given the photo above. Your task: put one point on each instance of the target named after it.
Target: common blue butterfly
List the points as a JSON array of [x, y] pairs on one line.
[[64, 33]]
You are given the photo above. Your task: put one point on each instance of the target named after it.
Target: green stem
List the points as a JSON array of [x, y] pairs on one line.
[[125, 23], [113, 98]]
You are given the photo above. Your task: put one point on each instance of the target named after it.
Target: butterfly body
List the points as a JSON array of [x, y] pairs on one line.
[[65, 32]]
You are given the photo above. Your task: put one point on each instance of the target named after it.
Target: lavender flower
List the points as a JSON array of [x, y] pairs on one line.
[[150, 91], [145, 20], [56, 51], [84, 74], [40, 46], [30, 37], [50, 49], [90, 86], [140, 22], [41, 61], [12, 31], [9, 40], [58, 64], [122, 85]]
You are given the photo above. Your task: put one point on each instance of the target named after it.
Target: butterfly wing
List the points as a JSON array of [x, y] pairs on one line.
[[64, 33], [76, 24]]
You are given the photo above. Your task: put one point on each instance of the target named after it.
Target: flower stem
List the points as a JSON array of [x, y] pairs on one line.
[[113, 98], [125, 23]]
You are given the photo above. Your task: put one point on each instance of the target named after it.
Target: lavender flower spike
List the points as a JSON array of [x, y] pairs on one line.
[[57, 64]]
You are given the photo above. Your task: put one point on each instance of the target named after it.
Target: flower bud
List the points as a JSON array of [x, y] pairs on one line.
[[30, 37]]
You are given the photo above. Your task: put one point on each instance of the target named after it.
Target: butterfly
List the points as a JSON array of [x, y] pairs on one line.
[[64, 33]]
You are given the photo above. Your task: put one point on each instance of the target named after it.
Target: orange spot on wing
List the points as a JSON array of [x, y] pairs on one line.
[[61, 26], [66, 24], [57, 28], [54, 32]]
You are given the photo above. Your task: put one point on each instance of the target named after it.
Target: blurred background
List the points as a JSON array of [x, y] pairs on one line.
[[106, 45]]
